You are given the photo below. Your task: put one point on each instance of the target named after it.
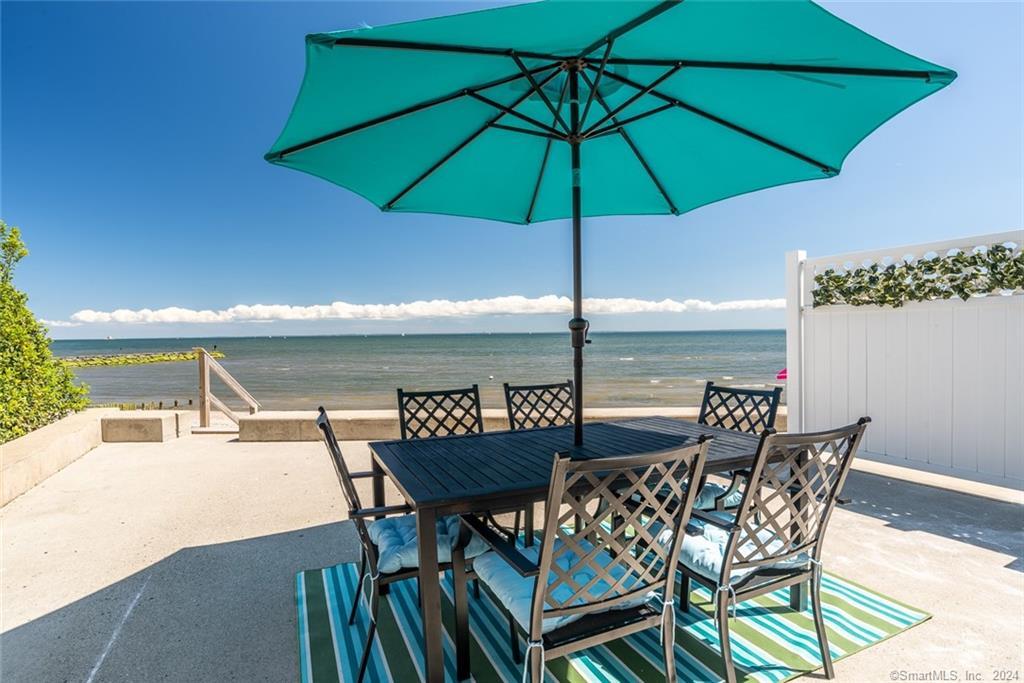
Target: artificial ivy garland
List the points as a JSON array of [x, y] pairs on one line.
[[995, 269]]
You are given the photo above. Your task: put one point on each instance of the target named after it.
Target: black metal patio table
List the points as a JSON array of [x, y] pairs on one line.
[[496, 470]]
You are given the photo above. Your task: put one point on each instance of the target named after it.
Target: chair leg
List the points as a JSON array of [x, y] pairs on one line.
[[684, 593], [515, 524], [819, 626], [536, 665], [365, 659], [668, 644], [513, 640], [722, 615], [359, 589]]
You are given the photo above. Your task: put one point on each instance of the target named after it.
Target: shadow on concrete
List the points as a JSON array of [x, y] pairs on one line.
[[982, 522], [223, 612]]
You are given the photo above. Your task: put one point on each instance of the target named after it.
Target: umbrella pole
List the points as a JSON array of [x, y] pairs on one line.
[[577, 326]]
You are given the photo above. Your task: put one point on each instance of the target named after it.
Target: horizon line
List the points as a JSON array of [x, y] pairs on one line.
[[421, 334]]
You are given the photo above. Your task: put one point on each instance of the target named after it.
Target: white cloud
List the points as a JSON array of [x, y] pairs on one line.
[[59, 323], [436, 308]]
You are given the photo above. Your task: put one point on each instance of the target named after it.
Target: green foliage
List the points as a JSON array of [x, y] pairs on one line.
[[962, 275], [35, 387], [135, 358]]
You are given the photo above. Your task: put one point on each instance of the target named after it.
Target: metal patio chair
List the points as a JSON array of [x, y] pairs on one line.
[[581, 588], [426, 414], [387, 536], [532, 406], [775, 539], [746, 410], [535, 406]]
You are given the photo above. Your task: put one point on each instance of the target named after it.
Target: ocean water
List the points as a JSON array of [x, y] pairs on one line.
[[298, 373]]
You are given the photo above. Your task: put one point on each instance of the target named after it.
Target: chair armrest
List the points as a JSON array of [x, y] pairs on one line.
[[380, 511], [498, 543], [714, 521], [365, 475]]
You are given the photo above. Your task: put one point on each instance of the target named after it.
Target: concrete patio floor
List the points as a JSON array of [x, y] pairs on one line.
[[176, 561]]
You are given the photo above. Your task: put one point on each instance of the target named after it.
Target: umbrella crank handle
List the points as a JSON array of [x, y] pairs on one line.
[[578, 328]]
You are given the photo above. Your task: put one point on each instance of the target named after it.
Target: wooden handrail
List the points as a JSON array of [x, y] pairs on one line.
[[208, 364]]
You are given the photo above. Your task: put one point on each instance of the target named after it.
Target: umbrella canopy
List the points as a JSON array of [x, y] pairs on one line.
[[562, 109]]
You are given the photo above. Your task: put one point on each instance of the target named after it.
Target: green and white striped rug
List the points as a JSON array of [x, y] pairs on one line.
[[770, 643]]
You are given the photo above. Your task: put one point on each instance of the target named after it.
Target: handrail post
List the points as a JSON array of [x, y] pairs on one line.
[[204, 387]]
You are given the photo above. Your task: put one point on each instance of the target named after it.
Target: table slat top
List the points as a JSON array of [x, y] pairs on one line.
[[462, 470]]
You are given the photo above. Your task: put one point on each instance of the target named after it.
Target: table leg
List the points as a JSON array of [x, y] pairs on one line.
[[798, 597], [461, 614], [528, 523], [378, 484], [430, 594]]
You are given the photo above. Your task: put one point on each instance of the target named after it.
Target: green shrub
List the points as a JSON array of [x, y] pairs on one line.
[[35, 387]]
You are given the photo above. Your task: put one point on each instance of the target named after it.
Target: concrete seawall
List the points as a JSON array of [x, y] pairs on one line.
[[368, 425], [29, 459]]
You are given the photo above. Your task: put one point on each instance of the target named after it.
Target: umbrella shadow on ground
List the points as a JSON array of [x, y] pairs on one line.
[[217, 612]]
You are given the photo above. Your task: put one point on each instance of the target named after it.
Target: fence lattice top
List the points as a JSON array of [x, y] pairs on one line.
[[970, 267]]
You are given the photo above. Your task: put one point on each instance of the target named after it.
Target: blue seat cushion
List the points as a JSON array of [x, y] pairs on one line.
[[710, 491], [515, 592], [704, 553], [707, 495], [397, 547]]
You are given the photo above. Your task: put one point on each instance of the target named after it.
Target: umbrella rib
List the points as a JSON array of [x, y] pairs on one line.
[[597, 79], [527, 131], [540, 91], [544, 159], [462, 145], [630, 100], [607, 130], [639, 20], [636, 151], [825, 168], [920, 74], [412, 109], [519, 115]]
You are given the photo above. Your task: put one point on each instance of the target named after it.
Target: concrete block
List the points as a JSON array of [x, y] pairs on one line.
[[140, 426]]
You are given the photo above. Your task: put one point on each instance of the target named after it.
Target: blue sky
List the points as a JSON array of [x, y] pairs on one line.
[[132, 143]]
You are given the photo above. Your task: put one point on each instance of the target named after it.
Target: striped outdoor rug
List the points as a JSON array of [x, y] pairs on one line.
[[770, 643]]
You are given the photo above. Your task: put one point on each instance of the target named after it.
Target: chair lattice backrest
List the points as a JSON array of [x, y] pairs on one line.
[[796, 480], [539, 405], [745, 410], [423, 414], [608, 560]]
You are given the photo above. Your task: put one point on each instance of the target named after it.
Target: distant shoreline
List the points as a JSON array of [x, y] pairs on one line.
[[416, 334]]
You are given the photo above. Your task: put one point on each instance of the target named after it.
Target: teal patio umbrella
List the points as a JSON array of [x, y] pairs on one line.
[[565, 109]]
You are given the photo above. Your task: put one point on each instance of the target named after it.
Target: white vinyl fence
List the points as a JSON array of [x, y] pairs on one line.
[[942, 380]]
